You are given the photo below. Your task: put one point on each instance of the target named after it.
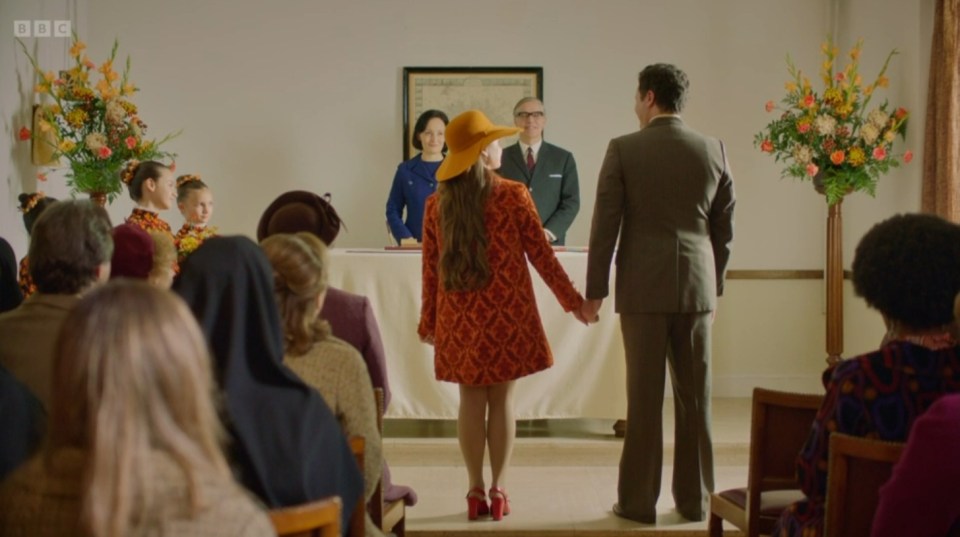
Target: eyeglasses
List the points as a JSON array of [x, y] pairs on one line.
[[525, 115]]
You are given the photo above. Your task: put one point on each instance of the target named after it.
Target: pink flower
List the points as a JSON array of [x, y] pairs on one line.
[[769, 106], [41, 177], [837, 157], [809, 101], [812, 169], [900, 113], [104, 152], [803, 128], [23, 134], [879, 153], [841, 76], [131, 142], [766, 146], [907, 157]]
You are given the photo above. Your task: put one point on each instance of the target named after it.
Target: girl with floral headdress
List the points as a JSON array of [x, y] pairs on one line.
[[31, 205], [195, 201], [152, 188]]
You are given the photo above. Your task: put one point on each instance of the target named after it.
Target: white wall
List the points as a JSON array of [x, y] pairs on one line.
[[293, 94]]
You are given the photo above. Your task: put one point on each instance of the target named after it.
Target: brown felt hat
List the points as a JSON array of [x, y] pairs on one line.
[[299, 210], [467, 136]]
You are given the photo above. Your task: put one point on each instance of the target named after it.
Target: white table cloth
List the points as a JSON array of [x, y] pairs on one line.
[[586, 380]]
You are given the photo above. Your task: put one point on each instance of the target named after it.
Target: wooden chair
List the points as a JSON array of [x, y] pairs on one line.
[[358, 518], [779, 427], [315, 519], [391, 517], [857, 469]]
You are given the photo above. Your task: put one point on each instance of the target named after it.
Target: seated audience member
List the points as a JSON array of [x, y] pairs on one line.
[[922, 497], [70, 251], [327, 363], [31, 205], [350, 316], [10, 294], [907, 268], [285, 444], [22, 421], [135, 446], [143, 255]]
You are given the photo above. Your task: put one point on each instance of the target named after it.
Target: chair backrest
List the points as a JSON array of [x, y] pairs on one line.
[[358, 518], [857, 469], [376, 502], [779, 427], [315, 519]]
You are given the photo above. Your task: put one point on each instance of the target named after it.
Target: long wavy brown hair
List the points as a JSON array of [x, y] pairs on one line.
[[463, 252], [300, 276], [144, 384]]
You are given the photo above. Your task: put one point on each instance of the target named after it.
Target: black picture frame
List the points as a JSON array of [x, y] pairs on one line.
[[493, 90]]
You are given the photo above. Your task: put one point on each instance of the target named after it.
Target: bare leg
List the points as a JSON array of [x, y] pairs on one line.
[[472, 431], [502, 429]]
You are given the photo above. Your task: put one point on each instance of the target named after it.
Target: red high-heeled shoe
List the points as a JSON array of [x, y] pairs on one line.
[[476, 504], [499, 503]]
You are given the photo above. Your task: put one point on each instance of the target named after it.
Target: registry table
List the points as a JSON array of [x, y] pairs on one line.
[[587, 377]]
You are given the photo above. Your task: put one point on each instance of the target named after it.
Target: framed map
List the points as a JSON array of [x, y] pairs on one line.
[[493, 90]]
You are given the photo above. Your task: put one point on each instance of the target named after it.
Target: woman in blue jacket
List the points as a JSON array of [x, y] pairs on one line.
[[416, 178]]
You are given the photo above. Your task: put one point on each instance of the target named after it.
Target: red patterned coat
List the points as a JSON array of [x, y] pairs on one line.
[[493, 334]]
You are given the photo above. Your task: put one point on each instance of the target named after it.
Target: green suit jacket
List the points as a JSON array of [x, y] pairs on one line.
[[553, 185]]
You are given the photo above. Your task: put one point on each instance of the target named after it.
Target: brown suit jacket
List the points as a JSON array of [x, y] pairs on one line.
[[27, 338], [667, 192]]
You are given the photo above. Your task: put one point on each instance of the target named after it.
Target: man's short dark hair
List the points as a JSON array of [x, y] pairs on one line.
[[669, 86], [908, 268], [70, 240]]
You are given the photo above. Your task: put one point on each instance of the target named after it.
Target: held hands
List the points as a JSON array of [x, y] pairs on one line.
[[588, 312]]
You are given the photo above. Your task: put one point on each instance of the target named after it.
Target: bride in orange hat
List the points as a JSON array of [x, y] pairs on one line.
[[479, 310]]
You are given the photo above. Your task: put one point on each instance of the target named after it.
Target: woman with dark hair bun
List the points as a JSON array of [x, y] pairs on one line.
[[152, 187], [907, 268], [416, 178], [31, 205]]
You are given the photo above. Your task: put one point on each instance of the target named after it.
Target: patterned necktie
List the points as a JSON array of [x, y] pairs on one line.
[[530, 161]]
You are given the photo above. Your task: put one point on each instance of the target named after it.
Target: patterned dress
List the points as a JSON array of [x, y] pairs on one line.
[[27, 287], [493, 334], [877, 395], [151, 221], [190, 237]]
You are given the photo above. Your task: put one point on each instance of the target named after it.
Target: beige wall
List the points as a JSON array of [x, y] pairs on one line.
[[306, 94]]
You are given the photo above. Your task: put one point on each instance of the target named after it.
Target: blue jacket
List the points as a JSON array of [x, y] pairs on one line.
[[412, 184]]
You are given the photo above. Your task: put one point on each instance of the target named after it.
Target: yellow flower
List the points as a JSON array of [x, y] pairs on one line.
[[833, 96], [856, 156], [76, 117], [66, 146], [52, 109], [791, 86], [128, 89], [844, 110], [129, 107], [77, 48], [41, 88], [883, 81], [49, 77]]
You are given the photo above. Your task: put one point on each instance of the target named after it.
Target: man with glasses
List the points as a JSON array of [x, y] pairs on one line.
[[549, 172]]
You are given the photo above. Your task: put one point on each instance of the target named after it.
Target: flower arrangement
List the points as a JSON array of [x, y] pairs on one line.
[[94, 126], [833, 137], [187, 243]]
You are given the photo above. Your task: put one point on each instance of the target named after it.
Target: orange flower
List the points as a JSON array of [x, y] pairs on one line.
[[907, 157], [769, 106], [104, 152], [131, 142], [77, 48], [809, 101], [766, 146], [837, 157], [23, 134], [41, 177], [900, 113], [812, 169], [883, 81], [879, 153]]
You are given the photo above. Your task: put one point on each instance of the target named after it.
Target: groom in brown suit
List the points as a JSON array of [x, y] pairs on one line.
[[666, 191]]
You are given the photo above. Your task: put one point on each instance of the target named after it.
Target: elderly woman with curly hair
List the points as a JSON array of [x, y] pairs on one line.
[[907, 268]]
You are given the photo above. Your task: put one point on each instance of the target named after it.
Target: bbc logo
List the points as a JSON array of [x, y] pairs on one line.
[[42, 28]]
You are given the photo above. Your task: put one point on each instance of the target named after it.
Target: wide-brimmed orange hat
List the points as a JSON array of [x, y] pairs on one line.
[[467, 135]]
